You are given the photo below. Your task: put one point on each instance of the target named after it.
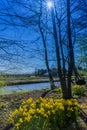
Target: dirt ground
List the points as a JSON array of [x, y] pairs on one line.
[[9, 102]]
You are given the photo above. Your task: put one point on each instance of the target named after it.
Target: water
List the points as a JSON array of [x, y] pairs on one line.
[[25, 87]]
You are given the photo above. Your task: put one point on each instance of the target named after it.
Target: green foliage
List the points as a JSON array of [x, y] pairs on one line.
[[78, 90], [2, 83], [59, 91], [3, 105], [45, 114]]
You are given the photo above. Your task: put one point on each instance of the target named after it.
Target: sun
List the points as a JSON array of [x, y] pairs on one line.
[[49, 4]]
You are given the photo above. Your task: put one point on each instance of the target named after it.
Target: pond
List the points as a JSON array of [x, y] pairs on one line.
[[25, 87]]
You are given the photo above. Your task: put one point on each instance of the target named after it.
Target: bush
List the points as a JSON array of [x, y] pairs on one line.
[[45, 114], [78, 90], [59, 91]]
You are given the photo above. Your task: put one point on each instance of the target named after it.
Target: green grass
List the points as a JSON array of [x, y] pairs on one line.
[[12, 80], [2, 81], [83, 73]]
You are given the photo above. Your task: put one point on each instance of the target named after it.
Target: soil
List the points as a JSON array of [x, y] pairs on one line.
[[9, 102]]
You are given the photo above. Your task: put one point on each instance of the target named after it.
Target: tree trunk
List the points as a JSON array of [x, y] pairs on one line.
[[46, 57], [61, 72], [70, 51]]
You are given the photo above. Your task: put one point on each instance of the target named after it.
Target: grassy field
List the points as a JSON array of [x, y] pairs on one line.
[[12, 80]]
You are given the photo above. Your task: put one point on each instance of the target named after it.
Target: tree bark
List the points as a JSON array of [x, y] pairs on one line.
[[61, 76], [70, 51]]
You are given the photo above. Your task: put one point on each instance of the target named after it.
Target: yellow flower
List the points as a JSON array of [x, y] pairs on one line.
[[24, 113], [41, 111], [20, 120], [11, 116], [43, 108], [31, 111], [21, 109], [30, 100], [83, 106], [27, 118], [17, 125]]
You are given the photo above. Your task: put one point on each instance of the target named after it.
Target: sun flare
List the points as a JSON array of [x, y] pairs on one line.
[[49, 4]]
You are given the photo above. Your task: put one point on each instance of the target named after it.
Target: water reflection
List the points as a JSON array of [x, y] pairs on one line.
[[24, 87]]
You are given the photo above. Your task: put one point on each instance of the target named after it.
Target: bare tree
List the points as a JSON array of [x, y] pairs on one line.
[[46, 56], [62, 25]]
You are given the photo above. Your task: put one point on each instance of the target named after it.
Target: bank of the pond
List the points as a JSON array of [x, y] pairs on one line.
[[33, 81]]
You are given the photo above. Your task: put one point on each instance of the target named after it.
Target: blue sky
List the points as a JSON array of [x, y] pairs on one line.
[[28, 55], [25, 61], [28, 58]]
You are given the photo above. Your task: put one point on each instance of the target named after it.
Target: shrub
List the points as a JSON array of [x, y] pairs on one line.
[[59, 91], [45, 114], [78, 90]]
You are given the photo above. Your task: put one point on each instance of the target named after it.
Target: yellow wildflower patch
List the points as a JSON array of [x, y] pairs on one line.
[[47, 112]]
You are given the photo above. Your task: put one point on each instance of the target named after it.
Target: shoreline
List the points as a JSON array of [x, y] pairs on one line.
[[29, 82]]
